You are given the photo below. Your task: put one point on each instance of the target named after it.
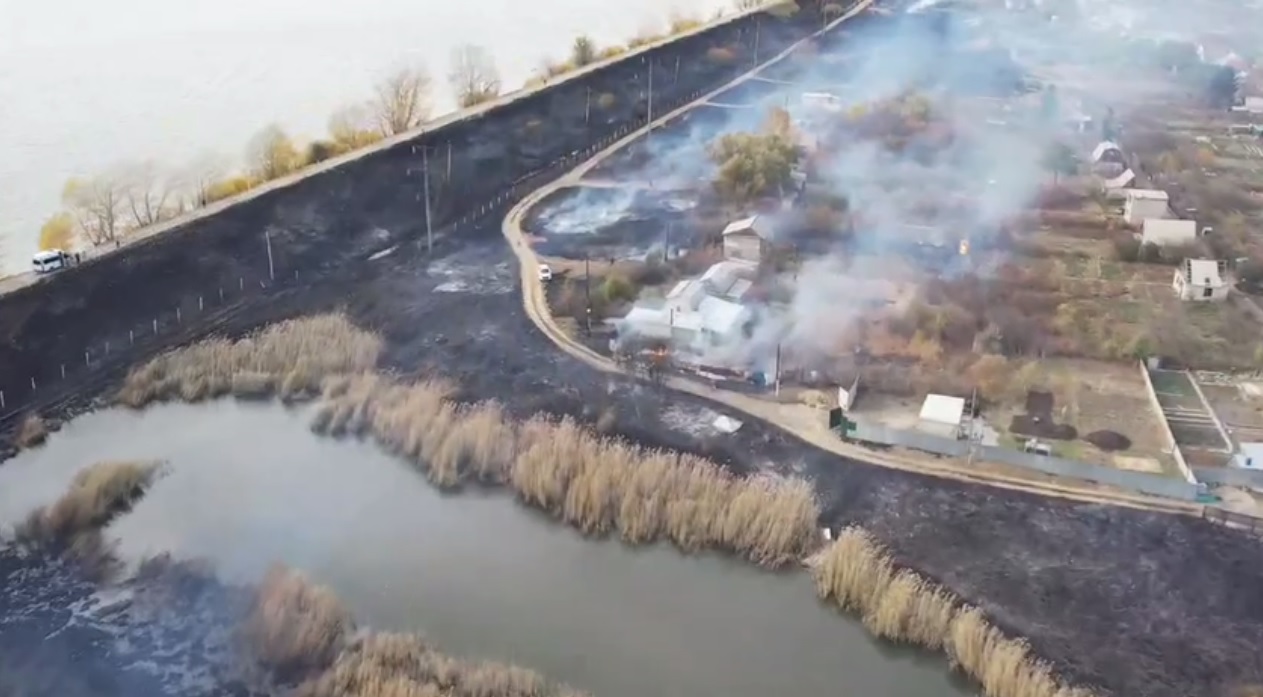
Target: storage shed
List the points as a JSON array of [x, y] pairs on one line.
[[942, 415], [1144, 204], [743, 240]]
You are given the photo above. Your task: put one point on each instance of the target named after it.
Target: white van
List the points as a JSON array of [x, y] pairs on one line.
[[50, 260]]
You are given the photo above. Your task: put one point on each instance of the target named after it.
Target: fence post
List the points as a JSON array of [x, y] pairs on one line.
[[33, 388], [241, 283], [87, 358], [221, 295], [200, 305], [131, 336], [2, 399], [63, 371], [155, 326], [107, 348], [177, 315]]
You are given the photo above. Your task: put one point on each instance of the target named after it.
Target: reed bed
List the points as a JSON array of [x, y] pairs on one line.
[[599, 485], [290, 358], [71, 526], [301, 634], [857, 573], [31, 432]]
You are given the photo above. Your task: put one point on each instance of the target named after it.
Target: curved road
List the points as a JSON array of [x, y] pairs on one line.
[[536, 304]]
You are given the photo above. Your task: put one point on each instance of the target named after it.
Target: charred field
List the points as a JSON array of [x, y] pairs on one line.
[[1062, 574], [1125, 601]]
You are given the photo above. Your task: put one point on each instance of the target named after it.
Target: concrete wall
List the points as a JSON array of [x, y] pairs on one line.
[[1167, 434], [321, 225], [1152, 484], [1230, 476]]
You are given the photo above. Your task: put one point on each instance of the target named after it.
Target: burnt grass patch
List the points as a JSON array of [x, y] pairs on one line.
[[1133, 602], [1038, 420], [675, 153], [604, 224]]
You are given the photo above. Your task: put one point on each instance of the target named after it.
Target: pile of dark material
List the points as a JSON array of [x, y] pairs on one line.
[[1109, 441], [1038, 422]]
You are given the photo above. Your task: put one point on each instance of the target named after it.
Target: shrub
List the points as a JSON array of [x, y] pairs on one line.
[[31, 432], [721, 55], [617, 288]]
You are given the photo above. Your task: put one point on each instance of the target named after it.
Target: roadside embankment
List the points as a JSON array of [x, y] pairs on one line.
[[313, 225]]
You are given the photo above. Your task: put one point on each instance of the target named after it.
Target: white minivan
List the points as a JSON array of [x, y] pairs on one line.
[[50, 260]]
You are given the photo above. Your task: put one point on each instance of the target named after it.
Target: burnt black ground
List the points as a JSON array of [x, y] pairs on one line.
[[1136, 603], [1132, 602]]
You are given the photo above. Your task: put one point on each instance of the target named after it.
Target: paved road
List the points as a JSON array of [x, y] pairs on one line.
[[791, 420]]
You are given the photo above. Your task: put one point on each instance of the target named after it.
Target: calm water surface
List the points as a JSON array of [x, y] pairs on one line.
[[86, 84], [250, 484]]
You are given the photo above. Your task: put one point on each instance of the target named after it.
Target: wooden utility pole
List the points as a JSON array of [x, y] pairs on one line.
[[429, 229], [778, 370], [587, 291]]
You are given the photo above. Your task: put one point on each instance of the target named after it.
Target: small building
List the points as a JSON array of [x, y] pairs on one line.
[[847, 394], [1249, 456], [1108, 151], [1202, 280], [1144, 204], [692, 317], [942, 415], [1116, 188], [730, 279], [1167, 233], [743, 240]]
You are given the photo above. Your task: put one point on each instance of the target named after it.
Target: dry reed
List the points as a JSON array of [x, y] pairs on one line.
[[71, 526], [899, 605], [300, 632], [290, 357], [95, 497], [597, 484], [31, 432]]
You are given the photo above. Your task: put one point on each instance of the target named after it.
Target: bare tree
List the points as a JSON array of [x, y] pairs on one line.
[[474, 76], [583, 52], [97, 205], [402, 100], [197, 180], [272, 154], [353, 127], [148, 193]]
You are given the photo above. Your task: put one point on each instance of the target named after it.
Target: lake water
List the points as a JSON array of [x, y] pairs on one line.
[[85, 85], [248, 485]]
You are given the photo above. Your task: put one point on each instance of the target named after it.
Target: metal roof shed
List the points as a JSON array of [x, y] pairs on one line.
[[942, 415]]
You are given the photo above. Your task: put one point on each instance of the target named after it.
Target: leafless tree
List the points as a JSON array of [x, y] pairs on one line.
[[474, 76], [402, 100], [148, 193], [353, 126], [97, 204], [272, 154], [198, 179]]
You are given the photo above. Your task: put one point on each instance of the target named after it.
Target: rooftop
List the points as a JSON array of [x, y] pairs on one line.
[[942, 409], [742, 226], [1204, 272], [1148, 194]]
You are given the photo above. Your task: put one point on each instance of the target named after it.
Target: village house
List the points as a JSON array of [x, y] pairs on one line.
[[1202, 280], [697, 313], [1145, 204], [1168, 233], [745, 241]]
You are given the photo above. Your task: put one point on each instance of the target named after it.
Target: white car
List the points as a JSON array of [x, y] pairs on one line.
[[545, 273]]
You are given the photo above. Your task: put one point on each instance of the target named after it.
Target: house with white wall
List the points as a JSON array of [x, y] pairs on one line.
[[745, 241], [697, 313], [1145, 204], [1168, 233], [1202, 280]]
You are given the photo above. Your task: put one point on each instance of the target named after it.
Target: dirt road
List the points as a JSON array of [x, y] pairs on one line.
[[536, 306]]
